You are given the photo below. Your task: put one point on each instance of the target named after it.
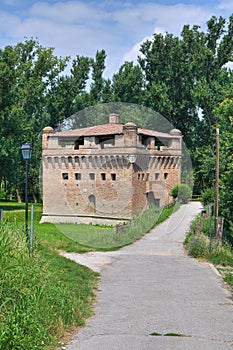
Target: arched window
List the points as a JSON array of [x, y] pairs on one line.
[[92, 201]]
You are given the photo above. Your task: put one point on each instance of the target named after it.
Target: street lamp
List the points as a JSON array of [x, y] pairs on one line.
[[26, 149]]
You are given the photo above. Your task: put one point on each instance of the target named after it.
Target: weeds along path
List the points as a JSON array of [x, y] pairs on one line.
[[153, 296]]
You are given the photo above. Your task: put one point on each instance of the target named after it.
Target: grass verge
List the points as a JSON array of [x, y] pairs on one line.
[[81, 238], [108, 238], [44, 296], [203, 246]]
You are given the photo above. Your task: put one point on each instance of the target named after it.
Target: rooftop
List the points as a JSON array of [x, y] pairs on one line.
[[109, 129]]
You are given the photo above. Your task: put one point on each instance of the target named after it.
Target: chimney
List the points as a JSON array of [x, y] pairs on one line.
[[113, 118]]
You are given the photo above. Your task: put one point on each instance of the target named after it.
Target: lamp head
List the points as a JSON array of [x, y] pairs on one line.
[[132, 158], [26, 149]]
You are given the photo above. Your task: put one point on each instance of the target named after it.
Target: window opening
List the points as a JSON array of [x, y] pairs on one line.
[[79, 142], [106, 141], [78, 176], [65, 176]]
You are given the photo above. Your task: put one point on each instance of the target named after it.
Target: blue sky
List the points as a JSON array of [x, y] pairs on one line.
[[119, 27]]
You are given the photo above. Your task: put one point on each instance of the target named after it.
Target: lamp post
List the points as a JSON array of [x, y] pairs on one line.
[[216, 185], [26, 149]]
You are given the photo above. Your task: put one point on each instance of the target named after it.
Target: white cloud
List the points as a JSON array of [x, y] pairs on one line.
[[170, 19], [133, 53], [79, 27], [229, 65], [67, 12], [72, 27], [226, 5]]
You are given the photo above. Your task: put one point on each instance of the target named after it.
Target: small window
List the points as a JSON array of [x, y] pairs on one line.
[[165, 176], [156, 176], [65, 176], [147, 176], [103, 176], [139, 176], [143, 176], [92, 176], [77, 176], [113, 177]]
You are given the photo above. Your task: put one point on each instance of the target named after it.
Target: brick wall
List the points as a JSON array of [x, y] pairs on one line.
[[106, 183]]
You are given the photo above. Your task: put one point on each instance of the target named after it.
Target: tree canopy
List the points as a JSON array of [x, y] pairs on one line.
[[184, 78]]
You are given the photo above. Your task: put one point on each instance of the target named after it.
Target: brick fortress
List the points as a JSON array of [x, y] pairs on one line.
[[108, 173]]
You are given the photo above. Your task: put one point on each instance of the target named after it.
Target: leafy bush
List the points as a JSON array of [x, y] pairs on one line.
[[207, 197], [182, 193], [199, 246]]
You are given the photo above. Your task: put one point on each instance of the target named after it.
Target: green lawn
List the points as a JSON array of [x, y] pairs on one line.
[[46, 234], [81, 238], [43, 296]]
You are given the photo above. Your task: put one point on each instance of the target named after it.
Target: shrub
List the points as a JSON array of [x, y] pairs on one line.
[[182, 193], [207, 196], [199, 246]]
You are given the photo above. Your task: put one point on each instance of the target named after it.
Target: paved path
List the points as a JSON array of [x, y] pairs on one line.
[[153, 287]]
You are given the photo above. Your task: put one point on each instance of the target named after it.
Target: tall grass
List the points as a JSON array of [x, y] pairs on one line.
[[38, 301], [204, 246]]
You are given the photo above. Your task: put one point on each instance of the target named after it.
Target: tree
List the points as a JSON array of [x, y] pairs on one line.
[[183, 74], [225, 119], [66, 93], [27, 72], [168, 82], [186, 75], [127, 84], [98, 66]]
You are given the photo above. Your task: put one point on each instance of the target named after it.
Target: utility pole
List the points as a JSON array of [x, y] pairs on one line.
[[216, 185]]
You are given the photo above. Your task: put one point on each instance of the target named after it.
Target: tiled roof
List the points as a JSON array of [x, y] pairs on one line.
[[108, 129], [105, 129]]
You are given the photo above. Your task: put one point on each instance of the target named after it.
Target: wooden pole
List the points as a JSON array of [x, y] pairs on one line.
[[216, 185]]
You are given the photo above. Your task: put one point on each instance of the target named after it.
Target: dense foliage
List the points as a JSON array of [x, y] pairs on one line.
[[181, 193]]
